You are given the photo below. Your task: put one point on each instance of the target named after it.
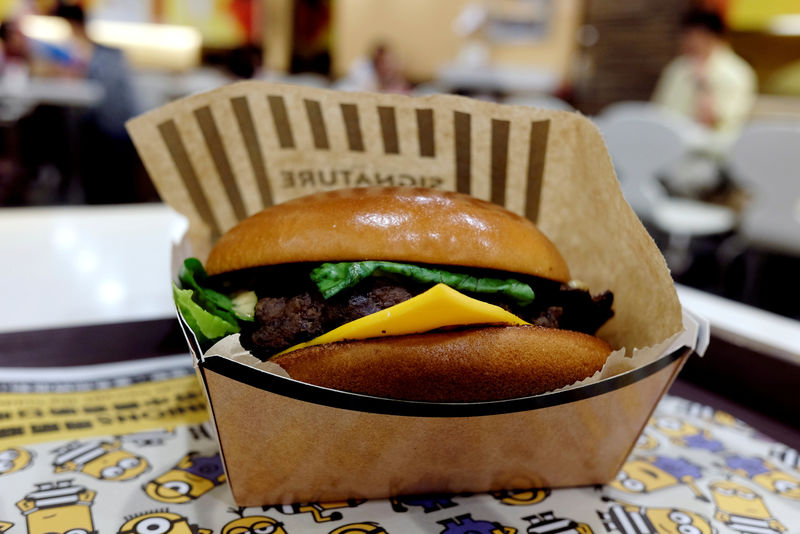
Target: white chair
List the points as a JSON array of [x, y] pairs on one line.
[[644, 141], [766, 160], [539, 100]]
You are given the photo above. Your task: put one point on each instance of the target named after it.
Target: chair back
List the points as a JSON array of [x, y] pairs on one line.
[[765, 159], [643, 142]]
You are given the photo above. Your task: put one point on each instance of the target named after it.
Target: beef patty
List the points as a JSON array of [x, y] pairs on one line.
[[285, 320]]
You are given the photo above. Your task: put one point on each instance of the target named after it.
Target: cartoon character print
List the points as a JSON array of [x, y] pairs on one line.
[[429, 503], [765, 474], [686, 434], [646, 442], [318, 510], [159, 522], [5, 525], [193, 476], [370, 527], [653, 473], [787, 456], [521, 497], [101, 459], [710, 414], [741, 509], [252, 524], [14, 459], [464, 524], [548, 523], [630, 519], [58, 507], [149, 438]]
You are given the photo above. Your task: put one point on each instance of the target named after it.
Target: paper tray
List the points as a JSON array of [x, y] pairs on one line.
[[285, 441], [220, 156]]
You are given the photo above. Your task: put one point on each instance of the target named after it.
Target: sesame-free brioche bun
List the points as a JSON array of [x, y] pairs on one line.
[[402, 224], [471, 365]]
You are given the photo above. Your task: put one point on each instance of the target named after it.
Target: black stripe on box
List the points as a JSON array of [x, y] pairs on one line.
[[352, 126], [537, 149], [427, 146], [241, 109], [391, 144], [365, 403], [499, 170], [280, 117], [317, 123], [177, 150], [208, 127], [462, 126]]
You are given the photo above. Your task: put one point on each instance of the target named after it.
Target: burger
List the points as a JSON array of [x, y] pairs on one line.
[[407, 293]]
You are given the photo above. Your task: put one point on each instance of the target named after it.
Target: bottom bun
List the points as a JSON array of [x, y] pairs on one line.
[[480, 364]]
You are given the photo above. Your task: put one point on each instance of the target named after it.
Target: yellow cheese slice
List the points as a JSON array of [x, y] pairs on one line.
[[438, 307]]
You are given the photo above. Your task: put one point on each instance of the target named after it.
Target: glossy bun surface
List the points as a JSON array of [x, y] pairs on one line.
[[389, 223]]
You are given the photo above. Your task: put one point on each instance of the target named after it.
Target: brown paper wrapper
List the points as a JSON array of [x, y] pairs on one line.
[[219, 157]]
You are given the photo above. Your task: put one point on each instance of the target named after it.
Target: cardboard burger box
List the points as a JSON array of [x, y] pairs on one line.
[[221, 156]]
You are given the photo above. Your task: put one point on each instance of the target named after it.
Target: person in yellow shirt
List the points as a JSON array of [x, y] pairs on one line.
[[708, 82]]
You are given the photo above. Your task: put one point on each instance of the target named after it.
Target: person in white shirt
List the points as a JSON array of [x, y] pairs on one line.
[[708, 82]]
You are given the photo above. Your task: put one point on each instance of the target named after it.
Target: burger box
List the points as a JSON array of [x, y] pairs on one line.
[[221, 156]]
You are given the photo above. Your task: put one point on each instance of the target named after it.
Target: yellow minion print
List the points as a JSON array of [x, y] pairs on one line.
[[703, 411], [318, 510], [646, 442], [58, 507], [548, 523], [14, 459], [159, 522], [765, 474], [787, 456], [645, 475], [5, 525], [630, 519], [521, 497], [192, 477], [686, 434], [104, 460], [741, 509], [370, 527], [253, 524]]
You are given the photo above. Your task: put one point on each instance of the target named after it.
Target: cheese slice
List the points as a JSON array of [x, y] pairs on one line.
[[438, 307]]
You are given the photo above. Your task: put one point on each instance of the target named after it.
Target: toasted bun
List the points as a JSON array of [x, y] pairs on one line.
[[393, 223], [471, 365]]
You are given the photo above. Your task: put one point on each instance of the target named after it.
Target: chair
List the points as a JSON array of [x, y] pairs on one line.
[[540, 100], [644, 141], [766, 160]]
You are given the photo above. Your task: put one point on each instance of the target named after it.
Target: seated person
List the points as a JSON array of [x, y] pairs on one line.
[[708, 82]]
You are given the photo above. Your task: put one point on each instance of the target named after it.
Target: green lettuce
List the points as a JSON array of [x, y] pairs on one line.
[[331, 278], [210, 314], [193, 276], [205, 325]]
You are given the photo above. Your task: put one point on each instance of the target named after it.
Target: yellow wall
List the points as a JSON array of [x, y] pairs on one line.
[[756, 15], [421, 33]]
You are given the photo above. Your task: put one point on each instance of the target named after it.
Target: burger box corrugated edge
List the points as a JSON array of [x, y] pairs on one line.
[[313, 397]]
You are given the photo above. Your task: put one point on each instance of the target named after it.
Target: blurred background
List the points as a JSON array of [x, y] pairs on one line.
[[699, 102]]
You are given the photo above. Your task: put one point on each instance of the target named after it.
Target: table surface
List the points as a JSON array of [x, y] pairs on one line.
[[61, 316], [74, 271]]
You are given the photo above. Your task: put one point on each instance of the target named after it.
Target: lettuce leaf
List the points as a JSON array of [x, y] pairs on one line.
[[331, 278], [205, 325], [193, 276]]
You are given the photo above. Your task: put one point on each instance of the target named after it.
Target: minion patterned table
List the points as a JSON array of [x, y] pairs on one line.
[[132, 452]]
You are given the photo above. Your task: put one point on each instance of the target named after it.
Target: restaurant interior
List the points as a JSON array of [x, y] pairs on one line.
[[86, 238]]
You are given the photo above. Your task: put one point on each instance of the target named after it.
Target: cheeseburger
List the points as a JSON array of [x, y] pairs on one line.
[[408, 293]]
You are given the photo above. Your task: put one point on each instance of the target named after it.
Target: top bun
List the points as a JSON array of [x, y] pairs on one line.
[[389, 223]]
